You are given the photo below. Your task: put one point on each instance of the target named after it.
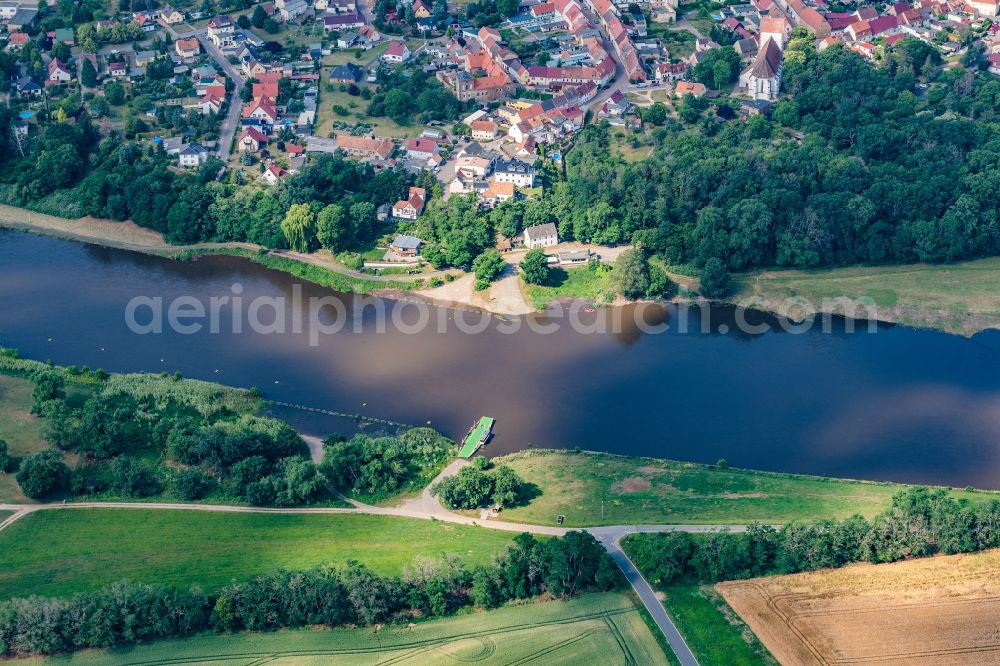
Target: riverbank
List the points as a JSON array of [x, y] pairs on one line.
[[961, 298], [319, 268], [590, 488]]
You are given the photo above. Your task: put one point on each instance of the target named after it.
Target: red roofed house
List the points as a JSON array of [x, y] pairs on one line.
[[412, 206], [421, 149], [187, 48], [17, 40], [251, 140], [421, 10], [58, 72], [397, 52], [689, 88], [261, 109], [543, 9], [269, 90], [273, 173], [483, 130]]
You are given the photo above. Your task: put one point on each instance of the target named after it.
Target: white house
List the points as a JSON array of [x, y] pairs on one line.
[[421, 149], [193, 154], [411, 207], [541, 235], [58, 71], [397, 52], [514, 171]]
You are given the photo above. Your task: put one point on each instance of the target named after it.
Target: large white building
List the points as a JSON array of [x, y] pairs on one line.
[[541, 235], [514, 171]]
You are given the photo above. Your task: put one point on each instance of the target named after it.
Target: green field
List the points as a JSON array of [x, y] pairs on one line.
[[712, 630], [604, 489], [58, 553], [21, 429], [962, 297], [603, 629], [579, 282]]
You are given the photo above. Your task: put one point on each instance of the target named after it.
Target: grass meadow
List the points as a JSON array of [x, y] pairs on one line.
[[61, 552], [606, 489]]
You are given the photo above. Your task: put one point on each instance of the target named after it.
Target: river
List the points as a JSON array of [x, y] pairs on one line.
[[894, 404]]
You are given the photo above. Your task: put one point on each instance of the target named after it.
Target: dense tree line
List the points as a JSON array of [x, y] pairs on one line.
[[251, 458], [128, 180], [885, 171], [373, 466], [919, 523], [329, 595]]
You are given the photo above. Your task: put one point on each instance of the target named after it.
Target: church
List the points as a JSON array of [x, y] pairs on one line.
[[762, 78]]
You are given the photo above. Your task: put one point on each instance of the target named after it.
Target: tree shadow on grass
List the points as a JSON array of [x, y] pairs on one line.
[[525, 494], [557, 277]]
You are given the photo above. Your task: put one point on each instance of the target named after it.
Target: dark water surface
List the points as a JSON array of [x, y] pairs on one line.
[[897, 404]]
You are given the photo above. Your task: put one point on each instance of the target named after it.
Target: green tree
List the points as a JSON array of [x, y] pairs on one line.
[[4, 456], [61, 51], [488, 266], [714, 278], [115, 93], [259, 17], [191, 484], [88, 75], [656, 114], [299, 227], [42, 474], [535, 267], [632, 273], [333, 228]]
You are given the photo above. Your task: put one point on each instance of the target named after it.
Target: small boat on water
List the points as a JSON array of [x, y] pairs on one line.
[[479, 434]]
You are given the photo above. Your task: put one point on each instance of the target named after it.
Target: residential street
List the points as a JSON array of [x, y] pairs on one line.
[[227, 130]]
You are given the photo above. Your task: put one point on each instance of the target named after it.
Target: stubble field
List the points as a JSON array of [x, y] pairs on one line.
[[942, 611]]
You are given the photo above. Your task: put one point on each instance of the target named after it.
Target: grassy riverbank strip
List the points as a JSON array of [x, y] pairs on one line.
[[591, 489], [61, 552], [130, 237], [958, 298], [606, 628], [314, 273]]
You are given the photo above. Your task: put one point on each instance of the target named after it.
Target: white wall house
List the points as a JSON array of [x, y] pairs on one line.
[[541, 235]]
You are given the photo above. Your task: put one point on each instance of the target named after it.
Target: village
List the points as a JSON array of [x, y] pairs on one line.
[[265, 88]]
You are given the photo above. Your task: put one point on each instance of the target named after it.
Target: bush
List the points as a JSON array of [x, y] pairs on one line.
[[43, 474], [4, 456], [384, 466], [535, 267], [480, 485], [131, 478], [191, 484]]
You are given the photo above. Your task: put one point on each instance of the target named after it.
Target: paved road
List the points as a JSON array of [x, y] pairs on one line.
[[648, 598], [232, 120]]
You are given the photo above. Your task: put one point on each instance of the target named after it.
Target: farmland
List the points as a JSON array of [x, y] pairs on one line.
[[601, 628], [57, 553], [605, 489], [937, 610]]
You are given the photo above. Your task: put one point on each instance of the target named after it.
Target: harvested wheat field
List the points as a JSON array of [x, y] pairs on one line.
[[941, 611]]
